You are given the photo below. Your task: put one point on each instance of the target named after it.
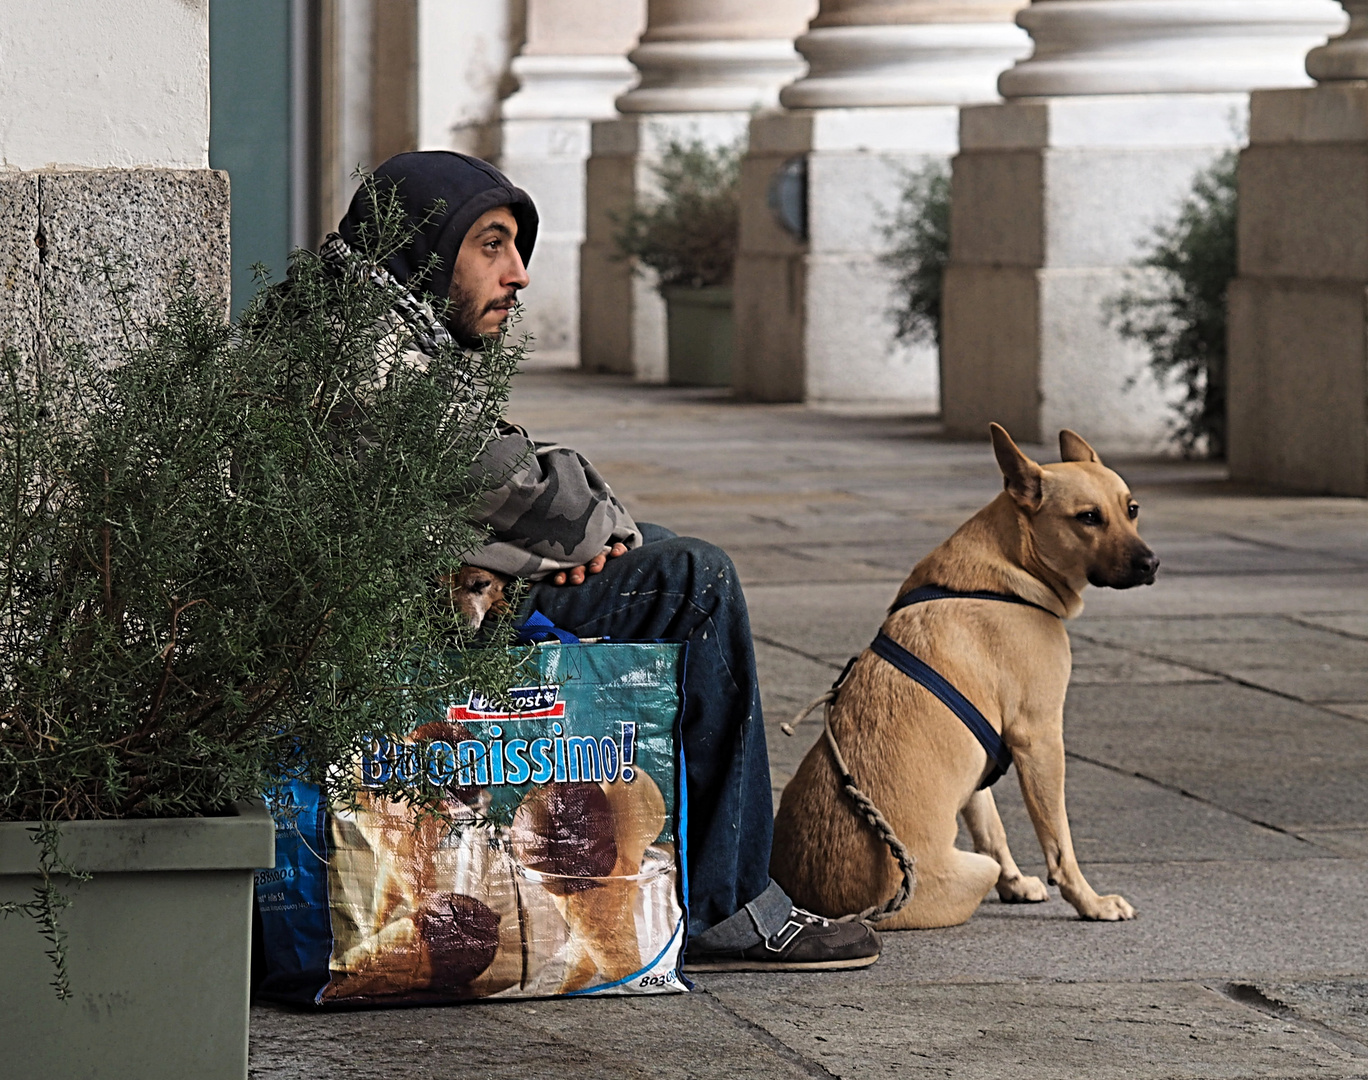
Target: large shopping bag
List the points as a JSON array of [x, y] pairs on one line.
[[555, 865]]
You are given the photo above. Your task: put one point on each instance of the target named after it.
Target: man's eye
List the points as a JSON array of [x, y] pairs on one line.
[[1090, 517]]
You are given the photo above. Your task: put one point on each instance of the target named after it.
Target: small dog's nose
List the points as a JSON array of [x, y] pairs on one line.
[[1146, 564]]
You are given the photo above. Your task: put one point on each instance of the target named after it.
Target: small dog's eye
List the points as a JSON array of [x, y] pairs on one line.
[[1133, 510], [1090, 517]]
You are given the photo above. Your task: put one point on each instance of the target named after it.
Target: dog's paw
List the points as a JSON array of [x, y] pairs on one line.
[[1022, 889], [1111, 908]]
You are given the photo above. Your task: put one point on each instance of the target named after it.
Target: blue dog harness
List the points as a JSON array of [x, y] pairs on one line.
[[921, 672]]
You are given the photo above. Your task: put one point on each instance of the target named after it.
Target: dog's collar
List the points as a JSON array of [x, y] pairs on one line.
[[938, 592]]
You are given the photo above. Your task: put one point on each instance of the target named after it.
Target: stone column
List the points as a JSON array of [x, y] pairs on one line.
[[104, 145], [1056, 192], [1298, 376], [572, 68], [881, 98], [705, 66]]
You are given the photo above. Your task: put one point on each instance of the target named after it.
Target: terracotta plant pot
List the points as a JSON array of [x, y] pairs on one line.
[[158, 949], [700, 334]]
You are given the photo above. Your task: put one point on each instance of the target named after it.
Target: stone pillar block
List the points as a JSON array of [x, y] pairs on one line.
[[546, 157], [1108, 119], [812, 311], [1297, 382], [21, 252], [622, 317], [156, 228], [1296, 387], [1065, 192], [572, 68]]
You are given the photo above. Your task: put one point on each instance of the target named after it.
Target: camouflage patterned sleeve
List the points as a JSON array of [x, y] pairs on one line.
[[548, 508]]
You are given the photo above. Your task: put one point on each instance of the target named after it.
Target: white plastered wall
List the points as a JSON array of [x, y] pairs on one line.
[[104, 84], [464, 51]]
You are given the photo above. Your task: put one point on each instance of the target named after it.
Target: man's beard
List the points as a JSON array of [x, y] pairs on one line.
[[463, 315]]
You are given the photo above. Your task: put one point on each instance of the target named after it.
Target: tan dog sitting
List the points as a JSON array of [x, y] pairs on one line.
[[1054, 530]]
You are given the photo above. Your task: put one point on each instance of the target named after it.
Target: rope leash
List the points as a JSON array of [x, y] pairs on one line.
[[870, 812], [999, 755]]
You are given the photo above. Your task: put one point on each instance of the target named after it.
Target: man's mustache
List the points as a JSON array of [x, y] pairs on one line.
[[503, 303]]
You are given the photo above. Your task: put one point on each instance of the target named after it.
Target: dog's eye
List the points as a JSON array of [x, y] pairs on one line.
[[1090, 517], [1133, 510]]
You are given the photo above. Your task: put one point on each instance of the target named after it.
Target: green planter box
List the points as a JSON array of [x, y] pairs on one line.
[[158, 950], [700, 335]]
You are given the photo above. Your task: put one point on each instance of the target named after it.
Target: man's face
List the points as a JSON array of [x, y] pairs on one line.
[[486, 278]]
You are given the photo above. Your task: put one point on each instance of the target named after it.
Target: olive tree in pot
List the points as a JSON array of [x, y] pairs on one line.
[[688, 236], [220, 546]]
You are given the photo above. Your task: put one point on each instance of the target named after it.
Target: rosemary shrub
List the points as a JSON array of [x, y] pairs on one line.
[[1177, 310], [919, 239], [221, 547], [689, 234]]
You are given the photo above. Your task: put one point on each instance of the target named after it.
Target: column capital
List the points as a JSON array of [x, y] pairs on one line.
[[1167, 46]]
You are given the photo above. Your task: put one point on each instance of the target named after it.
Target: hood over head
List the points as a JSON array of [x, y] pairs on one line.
[[467, 186]]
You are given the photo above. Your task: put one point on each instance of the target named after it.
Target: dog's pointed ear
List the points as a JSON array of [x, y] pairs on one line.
[[1073, 447], [1020, 475]]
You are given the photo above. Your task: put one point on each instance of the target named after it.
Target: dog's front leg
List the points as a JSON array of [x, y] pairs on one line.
[[1040, 763], [990, 838]]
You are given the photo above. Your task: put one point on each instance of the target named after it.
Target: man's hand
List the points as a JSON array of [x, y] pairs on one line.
[[575, 575]]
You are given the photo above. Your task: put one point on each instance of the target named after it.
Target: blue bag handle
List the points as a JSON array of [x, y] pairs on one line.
[[539, 628]]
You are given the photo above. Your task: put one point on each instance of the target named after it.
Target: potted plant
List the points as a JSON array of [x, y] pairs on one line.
[[221, 543], [688, 236]]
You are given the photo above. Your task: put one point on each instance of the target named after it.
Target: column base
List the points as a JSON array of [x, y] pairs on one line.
[[904, 64], [710, 76], [1141, 47], [552, 87]]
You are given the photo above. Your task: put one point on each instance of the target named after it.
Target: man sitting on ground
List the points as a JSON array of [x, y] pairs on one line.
[[597, 573]]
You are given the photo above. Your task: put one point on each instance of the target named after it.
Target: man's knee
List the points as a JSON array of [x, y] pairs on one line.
[[692, 565]]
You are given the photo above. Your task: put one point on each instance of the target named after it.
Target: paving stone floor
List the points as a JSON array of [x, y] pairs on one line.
[[1217, 752]]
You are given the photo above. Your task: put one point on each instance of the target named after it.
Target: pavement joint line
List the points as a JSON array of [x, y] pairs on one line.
[[1187, 795], [1223, 676], [1304, 620], [760, 1034], [1288, 549], [775, 643], [780, 522], [1251, 997]]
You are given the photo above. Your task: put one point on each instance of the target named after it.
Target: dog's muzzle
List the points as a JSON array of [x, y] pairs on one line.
[[1140, 570]]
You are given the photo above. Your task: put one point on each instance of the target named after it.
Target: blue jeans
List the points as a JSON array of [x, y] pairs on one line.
[[680, 589]]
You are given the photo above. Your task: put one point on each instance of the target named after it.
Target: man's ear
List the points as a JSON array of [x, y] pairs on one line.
[[1072, 447], [1021, 476]]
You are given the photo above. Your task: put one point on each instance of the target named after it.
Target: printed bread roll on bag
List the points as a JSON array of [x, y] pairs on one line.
[[552, 864]]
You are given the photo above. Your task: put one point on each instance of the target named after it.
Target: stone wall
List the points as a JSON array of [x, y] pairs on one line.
[[154, 227], [104, 148]]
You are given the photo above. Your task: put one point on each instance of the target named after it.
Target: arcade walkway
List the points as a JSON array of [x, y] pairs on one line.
[[1217, 728]]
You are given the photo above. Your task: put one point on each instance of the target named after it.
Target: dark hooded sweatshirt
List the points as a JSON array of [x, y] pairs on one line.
[[546, 507]]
